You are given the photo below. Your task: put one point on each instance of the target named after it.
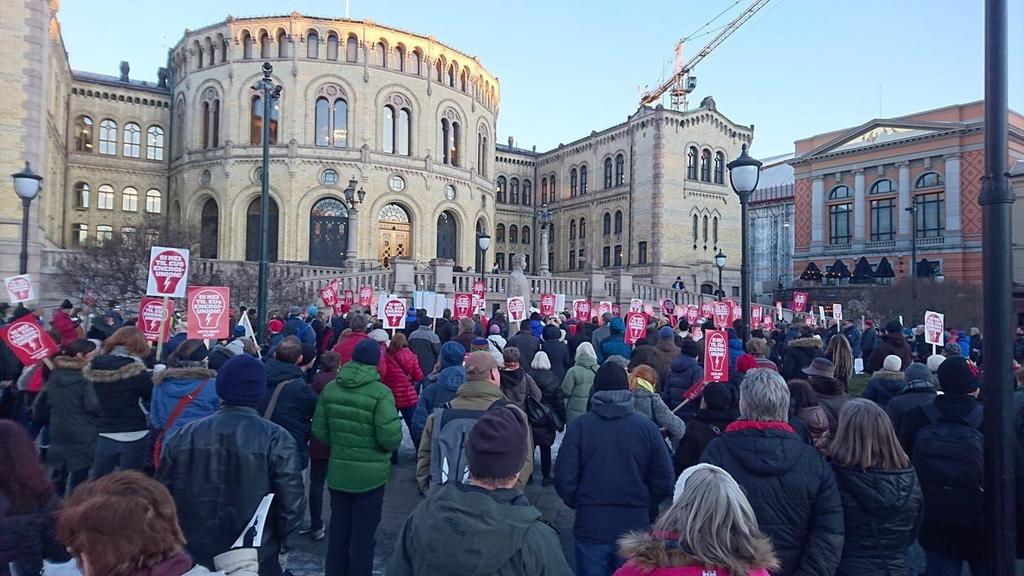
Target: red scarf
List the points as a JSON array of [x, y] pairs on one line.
[[755, 425]]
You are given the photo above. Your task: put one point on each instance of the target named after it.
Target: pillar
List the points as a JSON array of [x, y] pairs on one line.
[[817, 210], [543, 268], [352, 250], [906, 224], [858, 205], [952, 179]]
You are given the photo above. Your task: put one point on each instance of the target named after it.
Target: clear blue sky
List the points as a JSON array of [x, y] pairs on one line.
[[798, 68]]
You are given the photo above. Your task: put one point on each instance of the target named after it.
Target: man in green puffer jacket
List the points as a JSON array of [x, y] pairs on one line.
[[356, 415]]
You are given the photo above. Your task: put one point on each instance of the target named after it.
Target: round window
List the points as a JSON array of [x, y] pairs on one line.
[[329, 177], [206, 178]]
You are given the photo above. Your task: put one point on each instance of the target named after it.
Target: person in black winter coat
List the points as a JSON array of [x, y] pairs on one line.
[[612, 467], [887, 383], [790, 486], [800, 352], [684, 373], [557, 351], [553, 397], [882, 499], [525, 342], [296, 402], [716, 413], [892, 342], [425, 345], [920, 390]]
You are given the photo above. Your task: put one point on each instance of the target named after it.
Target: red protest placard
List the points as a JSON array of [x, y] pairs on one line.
[[340, 307], [328, 295], [722, 312], [603, 308], [463, 306], [208, 316], [768, 323], [348, 298], [800, 301], [516, 309], [707, 309], [616, 310], [547, 304], [636, 327], [29, 342], [479, 288], [934, 327], [735, 313], [394, 313], [366, 295], [716, 356], [668, 307], [692, 314], [581, 310], [152, 314], [756, 314], [636, 305], [168, 272]]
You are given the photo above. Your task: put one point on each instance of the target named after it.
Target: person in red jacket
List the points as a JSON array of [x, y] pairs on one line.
[[63, 324], [357, 323], [403, 373]]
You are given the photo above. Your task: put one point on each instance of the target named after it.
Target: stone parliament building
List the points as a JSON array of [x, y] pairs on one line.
[[411, 120]]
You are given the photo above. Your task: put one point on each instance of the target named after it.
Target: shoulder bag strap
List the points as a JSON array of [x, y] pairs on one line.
[[273, 399], [183, 403]]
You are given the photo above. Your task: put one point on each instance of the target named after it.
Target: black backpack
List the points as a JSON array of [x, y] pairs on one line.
[[949, 460]]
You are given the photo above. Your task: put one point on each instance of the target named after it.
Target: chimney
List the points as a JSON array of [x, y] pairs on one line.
[[125, 68]]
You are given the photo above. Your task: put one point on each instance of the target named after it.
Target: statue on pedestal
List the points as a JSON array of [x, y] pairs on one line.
[[517, 284]]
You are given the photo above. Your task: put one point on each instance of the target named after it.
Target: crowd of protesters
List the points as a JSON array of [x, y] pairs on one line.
[[138, 459]]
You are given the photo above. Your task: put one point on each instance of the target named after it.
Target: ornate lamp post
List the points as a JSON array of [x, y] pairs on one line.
[[913, 251], [352, 201], [544, 217], [270, 92], [26, 186], [744, 172], [483, 242], [720, 262]]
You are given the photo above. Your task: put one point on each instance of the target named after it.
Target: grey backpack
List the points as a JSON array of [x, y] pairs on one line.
[[448, 443]]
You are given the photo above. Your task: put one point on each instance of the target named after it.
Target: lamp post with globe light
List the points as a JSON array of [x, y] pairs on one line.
[[720, 262], [483, 242], [352, 201], [744, 173], [26, 186], [270, 93]]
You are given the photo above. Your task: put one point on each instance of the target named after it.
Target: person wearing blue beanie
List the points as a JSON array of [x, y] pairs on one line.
[[312, 311], [242, 381]]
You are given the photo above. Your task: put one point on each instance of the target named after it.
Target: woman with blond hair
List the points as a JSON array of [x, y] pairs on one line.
[[710, 530], [643, 383], [840, 353], [882, 499]]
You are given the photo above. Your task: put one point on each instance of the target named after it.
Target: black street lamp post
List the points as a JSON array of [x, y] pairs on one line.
[[720, 262], [26, 186], [913, 251], [483, 242], [271, 92], [744, 172]]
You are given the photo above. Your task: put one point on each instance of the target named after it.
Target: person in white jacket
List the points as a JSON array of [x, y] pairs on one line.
[[496, 344]]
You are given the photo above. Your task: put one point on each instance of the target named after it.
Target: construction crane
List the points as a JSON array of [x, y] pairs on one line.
[[682, 83]]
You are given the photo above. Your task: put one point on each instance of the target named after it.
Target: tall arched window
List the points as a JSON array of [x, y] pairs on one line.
[[211, 119], [719, 168], [513, 234], [696, 228], [527, 193], [618, 221], [451, 75], [526, 235], [153, 201], [83, 134], [456, 143], [283, 44], [132, 145], [82, 194], [380, 54], [256, 120], [208, 229], [607, 173], [714, 230], [573, 182], [463, 80], [513, 191], [247, 44], [400, 57], [129, 200], [620, 170], [691, 163], [572, 230], [553, 193], [264, 45], [396, 129], [705, 165], [351, 49], [501, 189], [583, 228], [928, 180], [417, 62], [450, 136], [583, 179], [499, 233], [331, 119], [388, 135], [481, 151], [543, 190], [705, 222], [322, 122], [312, 44], [105, 197], [607, 223], [332, 46], [108, 137], [155, 143]]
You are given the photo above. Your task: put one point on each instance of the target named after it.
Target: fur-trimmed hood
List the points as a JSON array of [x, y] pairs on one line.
[[810, 342], [888, 375], [69, 363], [190, 374], [104, 369], [652, 550]]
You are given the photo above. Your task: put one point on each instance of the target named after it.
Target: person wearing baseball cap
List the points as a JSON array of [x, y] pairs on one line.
[[481, 391], [508, 535], [612, 494], [237, 442]]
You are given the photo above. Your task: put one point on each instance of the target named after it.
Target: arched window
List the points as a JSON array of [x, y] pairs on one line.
[[82, 194], [691, 163], [620, 170], [463, 80], [264, 45], [583, 179], [928, 180], [252, 231], [79, 235], [527, 193], [155, 143], [705, 165], [208, 229], [129, 200], [451, 75], [128, 235], [283, 42], [322, 122], [83, 134], [132, 145], [211, 119], [397, 126], [719, 168], [513, 234], [331, 120], [332, 46], [380, 55], [501, 189], [696, 228], [839, 193], [499, 260], [212, 57], [714, 230], [607, 223], [439, 70], [618, 221], [583, 228], [607, 173], [572, 230], [499, 233], [153, 201], [526, 235], [198, 51], [553, 193], [481, 152], [882, 212], [388, 134], [400, 57], [543, 191], [572, 183], [705, 223], [417, 62], [105, 197], [456, 143], [883, 187], [104, 234], [513, 191], [312, 45], [450, 136], [247, 44], [351, 49], [108, 137], [256, 120]]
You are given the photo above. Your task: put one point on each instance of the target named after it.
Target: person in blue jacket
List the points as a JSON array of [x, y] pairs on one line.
[[303, 330], [615, 343], [440, 387]]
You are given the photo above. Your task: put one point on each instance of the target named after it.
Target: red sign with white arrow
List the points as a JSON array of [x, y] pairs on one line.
[[394, 313], [463, 306], [29, 342], [716, 356], [636, 326], [168, 272]]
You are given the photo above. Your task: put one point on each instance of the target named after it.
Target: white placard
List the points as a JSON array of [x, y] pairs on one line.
[[559, 302], [168, 272], [837, 311], [436, 305], [20, 289], [258, 521], [934, 328]]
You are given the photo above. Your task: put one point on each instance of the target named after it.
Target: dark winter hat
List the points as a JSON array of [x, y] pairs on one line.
[[666, 333], [610, 376], [683, 325], [496, 446], [295, 311], [425, 321], [690, 348], [893, 327], [367, 352], [918, 372], [200, 353], [66, 305], [242, 381], [955, 376], [479, 365], [238, 331], [717, 396]]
